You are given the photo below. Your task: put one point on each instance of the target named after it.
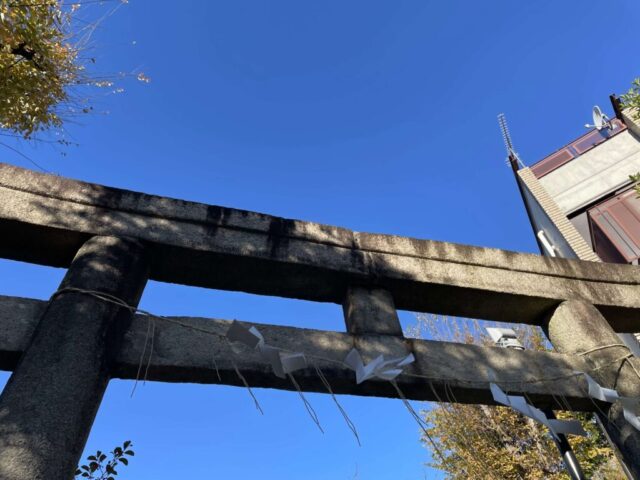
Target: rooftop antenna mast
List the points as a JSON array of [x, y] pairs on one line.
[[513, 157]]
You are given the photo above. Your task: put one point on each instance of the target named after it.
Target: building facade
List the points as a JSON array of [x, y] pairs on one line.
[[580, 200]]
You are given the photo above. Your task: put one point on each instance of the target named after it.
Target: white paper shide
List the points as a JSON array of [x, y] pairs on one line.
[[283, 363]]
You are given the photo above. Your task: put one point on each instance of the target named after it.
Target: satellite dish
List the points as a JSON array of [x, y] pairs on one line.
[[600, 120]]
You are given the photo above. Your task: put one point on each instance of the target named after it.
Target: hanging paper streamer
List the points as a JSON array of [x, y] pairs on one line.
[[282, 363], [379, 367], [630, 405], [519, 404], [598, 392], [631, 411], [250, 337]]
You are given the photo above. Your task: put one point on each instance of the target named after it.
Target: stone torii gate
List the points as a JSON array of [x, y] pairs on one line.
[[63, 352]]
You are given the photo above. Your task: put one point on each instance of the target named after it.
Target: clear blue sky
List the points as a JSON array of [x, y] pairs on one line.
[[377, 116]]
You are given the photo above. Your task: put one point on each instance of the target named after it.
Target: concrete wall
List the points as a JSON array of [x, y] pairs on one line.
[[597, 172], [632, 122]]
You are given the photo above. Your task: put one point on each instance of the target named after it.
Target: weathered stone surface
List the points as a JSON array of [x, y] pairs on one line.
[[186, 354], [370, 311], [578, 328], [18, 320], [48, 406], [223, 248]]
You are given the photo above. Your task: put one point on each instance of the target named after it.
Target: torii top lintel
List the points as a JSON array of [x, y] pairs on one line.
[[45, 218]]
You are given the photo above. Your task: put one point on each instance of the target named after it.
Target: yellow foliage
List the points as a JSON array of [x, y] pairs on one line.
[[37, 64], [41, 74], [491, 443]]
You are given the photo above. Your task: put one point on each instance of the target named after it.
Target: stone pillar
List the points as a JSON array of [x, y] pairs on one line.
[[370, 311], [577, 327], [51, 399]]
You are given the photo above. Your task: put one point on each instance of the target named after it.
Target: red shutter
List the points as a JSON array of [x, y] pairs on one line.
[[615, 227]]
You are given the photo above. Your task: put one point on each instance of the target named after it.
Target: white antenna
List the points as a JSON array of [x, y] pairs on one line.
[[600, 120], [506, 136]]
